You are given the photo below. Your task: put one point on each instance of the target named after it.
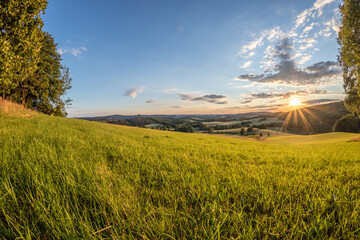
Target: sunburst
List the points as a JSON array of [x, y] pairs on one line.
[[294, 102]]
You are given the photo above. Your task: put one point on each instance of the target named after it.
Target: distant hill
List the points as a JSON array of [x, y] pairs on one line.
[[315, 119], [319, 119]]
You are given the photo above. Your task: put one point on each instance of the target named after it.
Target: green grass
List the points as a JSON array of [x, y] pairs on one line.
[[69, 179], [326, 138]]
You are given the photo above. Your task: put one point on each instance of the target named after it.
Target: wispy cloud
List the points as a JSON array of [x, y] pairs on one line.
[[315, 10], [211, 98], [246, 64], [283, 95], [318, 101], [133, 92], [77, 51], [150, 101], [170, 90]]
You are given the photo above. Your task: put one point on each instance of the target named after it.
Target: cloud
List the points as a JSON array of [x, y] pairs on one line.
[[287, 72], [252, 45], [317, 101], [258, 107], [309, 27], [316, 9], [170, 91], [269, 34], [307, 43], [211, 98], [176, 107], [133, 92], [284, 95], [246, 64], [150, 101], [73, 51]]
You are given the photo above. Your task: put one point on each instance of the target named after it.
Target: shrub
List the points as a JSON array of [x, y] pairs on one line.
[[348, 123]]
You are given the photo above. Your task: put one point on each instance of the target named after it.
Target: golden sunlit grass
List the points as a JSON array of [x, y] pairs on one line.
[[73, 179], [13, 109]]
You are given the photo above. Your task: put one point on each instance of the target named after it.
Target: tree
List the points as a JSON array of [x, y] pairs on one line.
[[50, 82], [348, 123], [191, 129], [20, 42], [30, 67], [349, 58], [211, 130], [242, 131]]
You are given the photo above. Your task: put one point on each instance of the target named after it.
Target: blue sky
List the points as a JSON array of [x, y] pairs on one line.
[[187, 57]]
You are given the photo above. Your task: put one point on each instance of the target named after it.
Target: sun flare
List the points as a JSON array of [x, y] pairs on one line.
[[295, 102]]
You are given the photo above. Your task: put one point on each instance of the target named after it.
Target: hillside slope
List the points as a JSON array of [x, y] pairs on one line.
[[67, 178]]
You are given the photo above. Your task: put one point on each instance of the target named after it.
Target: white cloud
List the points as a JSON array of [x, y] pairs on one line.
[[304, 58], [170, 90], [251, 54], [252, 45], [307, 43], [133, 92], [274, 33], [309, 28], [246, 64], [307, 14], [73, 51], [333, 24]]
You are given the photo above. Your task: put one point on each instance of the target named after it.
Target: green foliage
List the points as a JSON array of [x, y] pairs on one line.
[[211, 130], [30, 69], [242, 131], [348, 123], [349, 41], [72, 179]]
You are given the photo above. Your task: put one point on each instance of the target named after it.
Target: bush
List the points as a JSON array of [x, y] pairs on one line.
[[348, 123]]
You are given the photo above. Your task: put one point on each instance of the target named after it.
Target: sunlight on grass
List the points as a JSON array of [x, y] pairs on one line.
[[67, 179]]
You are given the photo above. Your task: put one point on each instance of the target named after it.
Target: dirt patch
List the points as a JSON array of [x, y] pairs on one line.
[[355, 139]]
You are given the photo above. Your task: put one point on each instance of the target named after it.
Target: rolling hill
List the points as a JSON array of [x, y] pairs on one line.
[[319, 119], [68, 179]]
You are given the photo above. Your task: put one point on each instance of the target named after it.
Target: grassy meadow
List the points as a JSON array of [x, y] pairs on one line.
[[69, 179]]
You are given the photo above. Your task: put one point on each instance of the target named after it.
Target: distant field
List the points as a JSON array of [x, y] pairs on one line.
[[69, 179]]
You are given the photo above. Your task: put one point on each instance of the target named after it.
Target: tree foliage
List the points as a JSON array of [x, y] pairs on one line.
[[348, 123], [349, 58], [30, 68]]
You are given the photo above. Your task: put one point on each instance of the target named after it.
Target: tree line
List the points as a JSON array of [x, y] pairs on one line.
[[31, 72]]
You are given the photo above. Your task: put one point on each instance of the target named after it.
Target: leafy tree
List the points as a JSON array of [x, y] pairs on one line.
[[52, 80], [250, 129], [211, 130], [191, 129], [242, 131], [348, 123], [349, 41], [20, 43], [30, 67]]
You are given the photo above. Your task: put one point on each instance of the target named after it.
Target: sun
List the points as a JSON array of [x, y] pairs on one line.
[[294, 102]]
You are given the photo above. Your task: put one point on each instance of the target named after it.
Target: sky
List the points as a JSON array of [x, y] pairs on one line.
[[196, 57]]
